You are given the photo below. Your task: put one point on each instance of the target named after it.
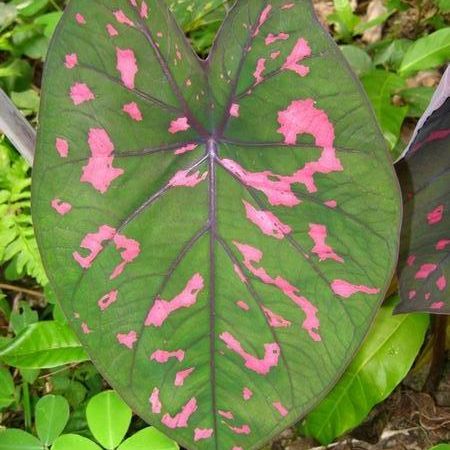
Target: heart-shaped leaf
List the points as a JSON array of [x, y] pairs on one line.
[[424, 172], [219, 233]]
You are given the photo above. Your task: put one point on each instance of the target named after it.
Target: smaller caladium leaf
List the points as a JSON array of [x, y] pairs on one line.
[[425, 179]]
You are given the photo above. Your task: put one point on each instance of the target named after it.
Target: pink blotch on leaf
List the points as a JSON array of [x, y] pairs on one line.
[[410, 260], [185, 149], [288, 6], [275, 55], [127, 339], [428, 296], [280, 408], [318, 233], [144, 10], [181, 419], [161, 309], [71, 60], [62, 147], [437, 305], [241, 304], [442, 244], [133, 2], [260, 68], [267, 222], [121, 17], [162, 356], [132, 109], [155, 402], [425, 271], [237, 448], [252, 255], [275, 320], [81, 93], [62, 208], [271, 38], [262, 19], [300, 51], [277, 188], [302, 117], [99, 171], [436, 215], [234, 110], [181, 376], [202, 433], [94, 243], [111, 30], [239, 273], [243, 429], [130, 251], [441, 283], [258, 365], [331, 203], [183, 179], [80, 19], [127, 66], [247, 394], [345, 289], [412, 294], [85, 328], [226, 414], [180, 124], [108, 299]]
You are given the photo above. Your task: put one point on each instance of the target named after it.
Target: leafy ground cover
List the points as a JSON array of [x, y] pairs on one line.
[[398, 50]]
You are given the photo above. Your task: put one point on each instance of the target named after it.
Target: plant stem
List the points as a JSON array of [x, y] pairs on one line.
[[439, 328], [26, 405], [9, 287]]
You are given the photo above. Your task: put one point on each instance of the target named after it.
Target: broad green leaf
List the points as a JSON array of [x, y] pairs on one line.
[[108, 418], [14, 439], [7, 388], [427, 52], [51, 415], [74, 442], [380, 87], [441, 447], [49, 22], [385, 358], [219, 234], [149, 439], [43, 345], [424, 173], [358, 59]]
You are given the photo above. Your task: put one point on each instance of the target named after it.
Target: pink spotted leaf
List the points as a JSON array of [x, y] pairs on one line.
[[219, 233], [424, 173]]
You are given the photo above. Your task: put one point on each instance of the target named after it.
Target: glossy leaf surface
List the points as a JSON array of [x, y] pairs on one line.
[[379, 366], [218, 233], [148, 438], [424, 174], [43, 345], [51, 416], [109, 418]]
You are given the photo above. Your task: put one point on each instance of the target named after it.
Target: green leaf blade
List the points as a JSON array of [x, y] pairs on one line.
[[427, 52], [190, 262], [43, 345], [52, 415]]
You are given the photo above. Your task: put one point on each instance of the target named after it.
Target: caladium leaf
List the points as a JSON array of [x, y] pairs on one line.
[[424, 173], [219, 233]]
